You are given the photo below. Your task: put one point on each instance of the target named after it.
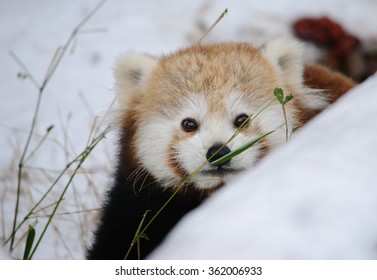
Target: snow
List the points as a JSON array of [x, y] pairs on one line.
[[314, 198], [81, 91]]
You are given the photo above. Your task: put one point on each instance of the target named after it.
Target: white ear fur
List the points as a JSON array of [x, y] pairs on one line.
[[286, 55], [131, 73]]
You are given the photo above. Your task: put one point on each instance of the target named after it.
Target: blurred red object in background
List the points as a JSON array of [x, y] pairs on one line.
[[343, 50]]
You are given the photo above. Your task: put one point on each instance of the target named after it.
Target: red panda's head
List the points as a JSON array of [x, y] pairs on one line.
[[186, 105]]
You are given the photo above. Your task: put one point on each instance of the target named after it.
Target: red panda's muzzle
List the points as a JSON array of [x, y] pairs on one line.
[[217, 151]]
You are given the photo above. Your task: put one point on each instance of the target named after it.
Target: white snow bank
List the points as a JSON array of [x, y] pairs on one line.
[[315, 198]]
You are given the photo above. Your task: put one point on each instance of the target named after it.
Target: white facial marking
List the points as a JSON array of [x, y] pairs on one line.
[[152, 145]]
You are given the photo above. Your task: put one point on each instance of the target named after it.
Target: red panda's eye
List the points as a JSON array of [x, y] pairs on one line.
[[189, 125], [240, 119]]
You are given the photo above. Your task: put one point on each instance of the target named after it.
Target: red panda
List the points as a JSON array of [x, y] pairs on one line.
[[178, 110]]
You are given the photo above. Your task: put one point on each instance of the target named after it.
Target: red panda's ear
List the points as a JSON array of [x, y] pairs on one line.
[[286, 55], [131, 73]]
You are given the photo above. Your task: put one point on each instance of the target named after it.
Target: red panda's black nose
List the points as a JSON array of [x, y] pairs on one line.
[[217, 151]]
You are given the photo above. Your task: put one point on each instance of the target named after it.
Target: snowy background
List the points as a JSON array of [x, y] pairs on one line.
[[80, 92]]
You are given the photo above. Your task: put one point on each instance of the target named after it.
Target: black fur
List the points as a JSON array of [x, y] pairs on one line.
[[123, 211], [132, 194]]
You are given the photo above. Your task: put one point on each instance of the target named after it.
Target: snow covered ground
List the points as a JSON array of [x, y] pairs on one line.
[[81, 90]]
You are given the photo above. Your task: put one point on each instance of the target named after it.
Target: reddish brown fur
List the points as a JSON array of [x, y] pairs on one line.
[[184, 72], [333, 83]]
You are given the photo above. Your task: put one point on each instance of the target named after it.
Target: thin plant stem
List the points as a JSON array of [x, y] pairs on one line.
[[20, 167], [286, 122], [67, 213], [39, 144], [213, 26], [61, 53], [27, 73], [51, 70], [83, 157], [62, 173], [136, 238]]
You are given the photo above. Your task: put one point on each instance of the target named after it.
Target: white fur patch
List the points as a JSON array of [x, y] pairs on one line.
[[153, 138], [286, 55], [131, 73], [315, 99]]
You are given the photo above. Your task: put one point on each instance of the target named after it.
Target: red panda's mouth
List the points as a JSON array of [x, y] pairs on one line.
[[221, 171]]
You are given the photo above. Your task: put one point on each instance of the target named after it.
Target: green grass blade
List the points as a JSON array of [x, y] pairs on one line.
[[241, 149], [29, 242]]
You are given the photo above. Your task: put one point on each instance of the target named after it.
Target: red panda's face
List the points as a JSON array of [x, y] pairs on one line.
[[173, 143], [189, 104]]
